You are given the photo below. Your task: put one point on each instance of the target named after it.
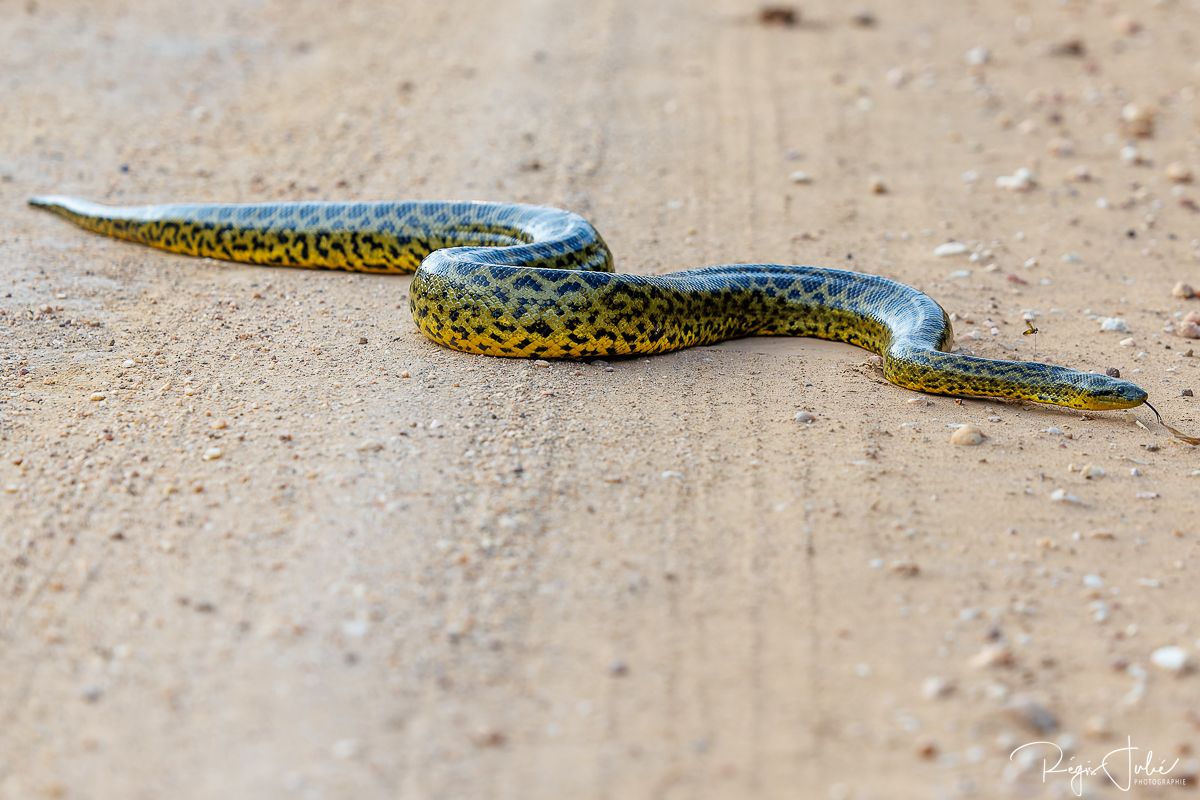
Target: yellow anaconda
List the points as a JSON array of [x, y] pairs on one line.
[[526, 281]]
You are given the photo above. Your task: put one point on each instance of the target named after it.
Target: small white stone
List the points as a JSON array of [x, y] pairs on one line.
[[1131, 155], [967, 436], [345, 749], [1091, 472], [356, 628], [959, 274], [978, 56], [800, 176], [934, 687], [805, 417], [897, 77], [950, 249], [1127, 342], [1093, 581], [1170, 658], [212, 454], [1061, 496], [668, 474], [1117, 324], [1022, 180], [127, 363]]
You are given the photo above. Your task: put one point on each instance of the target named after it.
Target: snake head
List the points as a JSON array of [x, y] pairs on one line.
[[1106, 394]]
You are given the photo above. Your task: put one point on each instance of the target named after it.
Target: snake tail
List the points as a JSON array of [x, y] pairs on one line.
[[524, 281]]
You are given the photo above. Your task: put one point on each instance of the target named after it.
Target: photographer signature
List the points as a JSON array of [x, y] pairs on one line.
[[1144, 772]]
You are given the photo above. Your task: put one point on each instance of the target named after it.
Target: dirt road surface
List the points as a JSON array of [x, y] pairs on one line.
[[261, 539]]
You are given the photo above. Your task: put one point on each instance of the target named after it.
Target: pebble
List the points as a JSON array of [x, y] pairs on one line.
[[1138, 120], [1112, 372], [1069, 48], [1186, 393], [1080, 174], [1126, 25], [897, 77], [96, 397], [1183, 291], [1060, 146], [933, 688], [800, 176], [1022, 180], [1170, 658], [212, 454], [1091, 472], [1131, 155], [345, 749], [993, 655], [950, 249], [1033, 716], [1147, 495], [127, 363], [541, 363], [876, 185], [1093, 581], [967, 435], [805, 417], [488, 737], [1116, 324], [1178, 172], [1127, 342], [1189, 327], [864, 18], [1061, 496], [978, 56]]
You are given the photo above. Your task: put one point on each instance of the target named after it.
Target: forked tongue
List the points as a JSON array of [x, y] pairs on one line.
[[1178, 434]]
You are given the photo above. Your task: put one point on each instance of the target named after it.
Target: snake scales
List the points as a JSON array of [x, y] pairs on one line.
[[526, 281]]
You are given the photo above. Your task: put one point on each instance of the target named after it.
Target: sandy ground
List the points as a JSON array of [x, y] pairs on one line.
[[419, 574]]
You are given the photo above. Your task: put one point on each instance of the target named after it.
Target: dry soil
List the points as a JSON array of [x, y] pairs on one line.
[[420, 574]]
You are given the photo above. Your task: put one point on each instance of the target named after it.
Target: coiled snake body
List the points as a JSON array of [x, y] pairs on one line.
[[526, 281]]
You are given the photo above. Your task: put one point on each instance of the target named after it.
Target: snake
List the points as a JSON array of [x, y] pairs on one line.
[[527, 281]]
